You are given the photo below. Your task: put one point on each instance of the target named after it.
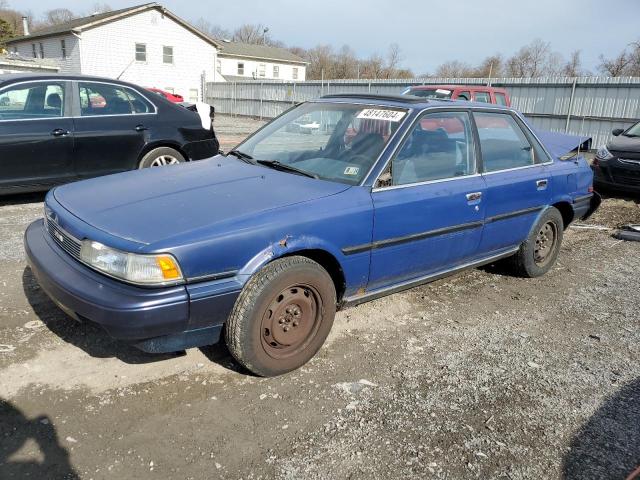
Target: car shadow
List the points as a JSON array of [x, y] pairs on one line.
[[87, 336], [16, 430], [22, 198], [608, 445], [96, 342]]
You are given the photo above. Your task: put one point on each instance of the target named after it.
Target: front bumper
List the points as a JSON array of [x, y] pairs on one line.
[[154, 319], [616, 175]]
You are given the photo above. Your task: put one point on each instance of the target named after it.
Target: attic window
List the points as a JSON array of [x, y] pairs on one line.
[[141, 52]]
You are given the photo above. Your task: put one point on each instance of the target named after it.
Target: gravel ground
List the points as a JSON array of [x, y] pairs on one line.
[[481, 375]]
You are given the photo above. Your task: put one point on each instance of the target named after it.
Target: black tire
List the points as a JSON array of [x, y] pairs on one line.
[[155, 157], [539, 252], [282, 316]]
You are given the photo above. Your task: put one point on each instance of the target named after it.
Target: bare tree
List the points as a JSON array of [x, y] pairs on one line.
[[345, 63], [321, 62], [573, 67], [491, 66], [454, 69], [255, 34], [532, 60], [373, 67], [100, 7], [212, 30], [58, 16], [614, 67]]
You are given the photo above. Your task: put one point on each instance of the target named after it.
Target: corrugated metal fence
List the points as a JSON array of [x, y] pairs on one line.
[[590, 106]]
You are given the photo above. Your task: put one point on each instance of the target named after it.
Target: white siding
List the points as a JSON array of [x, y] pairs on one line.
[[109, 50], [53, 51], [229, 66]]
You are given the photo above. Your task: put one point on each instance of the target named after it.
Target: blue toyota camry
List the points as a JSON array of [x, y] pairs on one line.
[[336, 202]]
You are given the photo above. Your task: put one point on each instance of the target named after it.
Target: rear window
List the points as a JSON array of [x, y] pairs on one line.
[[431, 93]]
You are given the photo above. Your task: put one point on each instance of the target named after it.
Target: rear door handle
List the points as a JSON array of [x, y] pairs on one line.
[[59, 132], [141, 128], [474, 197], [542, 184]]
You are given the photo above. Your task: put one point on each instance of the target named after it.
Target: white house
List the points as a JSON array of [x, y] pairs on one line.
[[146, 44], [242, 62]]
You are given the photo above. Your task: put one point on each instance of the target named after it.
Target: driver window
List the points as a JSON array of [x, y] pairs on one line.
[[440, 146]]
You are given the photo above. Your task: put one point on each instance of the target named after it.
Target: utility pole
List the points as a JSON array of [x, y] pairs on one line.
[[264, 35]]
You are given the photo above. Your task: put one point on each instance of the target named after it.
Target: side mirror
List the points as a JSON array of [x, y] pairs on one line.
[[617, 131]]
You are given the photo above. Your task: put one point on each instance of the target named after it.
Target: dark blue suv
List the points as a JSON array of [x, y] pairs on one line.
[[265, 243]]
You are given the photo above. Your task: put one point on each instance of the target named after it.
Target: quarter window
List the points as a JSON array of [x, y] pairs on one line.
[[504, 144], [141, 52], [36, 100], [99, 99], [464, 96], [440, 146], [501, 99], [167, 55]]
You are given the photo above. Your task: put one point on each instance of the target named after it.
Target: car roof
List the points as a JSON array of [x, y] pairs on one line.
[[28, 76], [458, 87], [406, 101]]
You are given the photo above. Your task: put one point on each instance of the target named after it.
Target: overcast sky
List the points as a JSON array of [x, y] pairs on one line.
[[428, 32]]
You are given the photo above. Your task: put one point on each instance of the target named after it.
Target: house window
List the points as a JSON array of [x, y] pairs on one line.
[[63, 46], [295, 73], [276, 71], [262, 70], [167, 55], [141, 52], [41, 50], [240, 68], [33, 48], [193, 95]]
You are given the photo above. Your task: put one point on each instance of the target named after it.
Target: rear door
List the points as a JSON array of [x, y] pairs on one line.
[[111, 128], [36, 134], [481, 96], [429, 204], [515, 172]]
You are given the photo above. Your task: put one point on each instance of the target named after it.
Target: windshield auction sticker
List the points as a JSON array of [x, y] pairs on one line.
[[380, 114]]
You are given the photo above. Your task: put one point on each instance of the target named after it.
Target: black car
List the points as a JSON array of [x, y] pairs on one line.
[[57, 128], [617, 165]]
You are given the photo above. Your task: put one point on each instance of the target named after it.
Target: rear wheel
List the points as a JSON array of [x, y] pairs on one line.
[[160, 157], [540, 251], [282, 316]]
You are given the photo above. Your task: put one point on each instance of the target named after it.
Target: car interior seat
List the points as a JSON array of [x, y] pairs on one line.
[[368, 145], [54, 104]]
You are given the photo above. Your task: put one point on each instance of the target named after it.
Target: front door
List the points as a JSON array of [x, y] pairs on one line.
[[111, 130], [518, 185], [429, 203], [36, 135]]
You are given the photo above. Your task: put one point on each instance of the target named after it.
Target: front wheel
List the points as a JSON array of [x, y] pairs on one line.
[[282, 316], [540, 251], [159, 157]]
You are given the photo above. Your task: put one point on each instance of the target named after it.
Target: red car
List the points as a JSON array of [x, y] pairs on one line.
[[475, 93], [172, 97]]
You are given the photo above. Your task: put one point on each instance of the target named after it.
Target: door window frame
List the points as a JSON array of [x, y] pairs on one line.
[[403, 140], [67, 101], [78, 111], [528, 133]]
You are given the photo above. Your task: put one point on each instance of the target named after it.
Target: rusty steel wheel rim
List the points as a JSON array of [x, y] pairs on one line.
[[545, 244], [291, 321]]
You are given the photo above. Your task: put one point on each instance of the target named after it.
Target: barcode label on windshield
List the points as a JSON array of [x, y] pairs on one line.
[[380, 114]]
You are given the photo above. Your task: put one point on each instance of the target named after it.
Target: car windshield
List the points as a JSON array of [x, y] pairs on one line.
[[431, 93], [336, 142], [633, 131]]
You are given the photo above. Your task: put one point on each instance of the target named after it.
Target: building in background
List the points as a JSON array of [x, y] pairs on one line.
[[14, 63], [243, 62], [146, 44]]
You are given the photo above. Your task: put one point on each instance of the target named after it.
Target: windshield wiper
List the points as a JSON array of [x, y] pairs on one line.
[[631, 135], [276, 165], [245, 157]]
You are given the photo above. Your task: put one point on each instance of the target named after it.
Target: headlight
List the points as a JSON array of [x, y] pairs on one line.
[[604, 154], [160, 269]]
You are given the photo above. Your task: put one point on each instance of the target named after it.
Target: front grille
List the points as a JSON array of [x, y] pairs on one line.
[[63, 239]]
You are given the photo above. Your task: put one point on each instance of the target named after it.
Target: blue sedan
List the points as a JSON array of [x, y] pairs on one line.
[[261, 246]]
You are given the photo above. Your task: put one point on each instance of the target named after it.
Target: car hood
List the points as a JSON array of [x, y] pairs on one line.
[[148, 206], [625, 144]]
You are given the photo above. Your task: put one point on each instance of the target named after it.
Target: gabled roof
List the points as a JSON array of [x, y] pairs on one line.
[[263, 52], [77, 25]]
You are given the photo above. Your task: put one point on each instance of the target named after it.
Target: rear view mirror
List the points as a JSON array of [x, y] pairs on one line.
[[617, 131]]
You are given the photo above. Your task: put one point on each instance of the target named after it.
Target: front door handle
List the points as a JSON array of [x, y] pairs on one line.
[[141, 128], [59, 132], [474, 197], [542, 184]]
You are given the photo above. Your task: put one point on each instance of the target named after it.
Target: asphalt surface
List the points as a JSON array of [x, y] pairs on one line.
[[481, 375]]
